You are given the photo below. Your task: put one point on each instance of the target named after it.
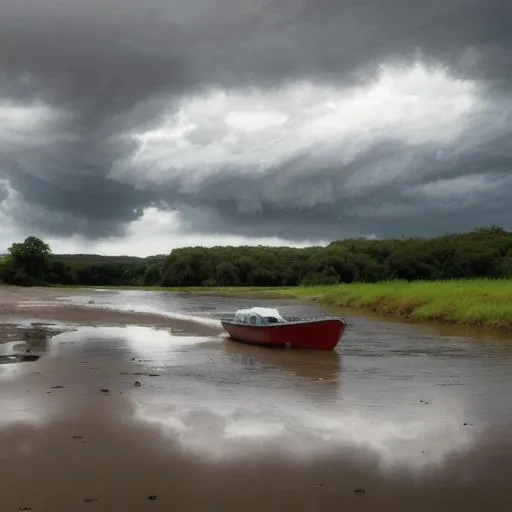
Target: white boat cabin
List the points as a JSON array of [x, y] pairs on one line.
[[258, 316]]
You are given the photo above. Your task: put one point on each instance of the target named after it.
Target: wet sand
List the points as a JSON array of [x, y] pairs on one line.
[[120, 416], [54, 305]]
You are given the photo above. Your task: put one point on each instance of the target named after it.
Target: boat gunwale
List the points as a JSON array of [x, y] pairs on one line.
[[286, 324]]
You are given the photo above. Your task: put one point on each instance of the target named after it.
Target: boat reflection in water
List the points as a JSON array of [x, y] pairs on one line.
[[309, 364]]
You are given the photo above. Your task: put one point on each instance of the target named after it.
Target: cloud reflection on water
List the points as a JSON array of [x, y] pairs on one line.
[[207, 402]]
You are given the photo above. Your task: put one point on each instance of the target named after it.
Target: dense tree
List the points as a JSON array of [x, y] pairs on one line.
[[484, 252], [153, 274], [29, 262], [32, 253], [226, 274]]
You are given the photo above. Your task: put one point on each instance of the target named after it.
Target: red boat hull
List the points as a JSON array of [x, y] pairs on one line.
[[323, 334]]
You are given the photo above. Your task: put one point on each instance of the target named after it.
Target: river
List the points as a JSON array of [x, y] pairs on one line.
[[133, 417]]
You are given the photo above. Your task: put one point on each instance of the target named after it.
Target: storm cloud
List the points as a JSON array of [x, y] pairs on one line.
[[301, 121]]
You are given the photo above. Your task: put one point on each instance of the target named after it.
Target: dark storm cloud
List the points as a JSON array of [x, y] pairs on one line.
[[384, 209], [103, 69]]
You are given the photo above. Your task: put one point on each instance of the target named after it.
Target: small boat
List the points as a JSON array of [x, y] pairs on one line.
[[266, 327]]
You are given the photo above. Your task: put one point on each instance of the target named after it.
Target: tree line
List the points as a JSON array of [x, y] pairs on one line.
[[484, 252]]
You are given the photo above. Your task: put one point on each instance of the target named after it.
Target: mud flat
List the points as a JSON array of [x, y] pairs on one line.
[[54, 304], [105, 414]]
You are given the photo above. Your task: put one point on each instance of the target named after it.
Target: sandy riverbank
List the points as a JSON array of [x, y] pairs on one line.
[[54, 304]]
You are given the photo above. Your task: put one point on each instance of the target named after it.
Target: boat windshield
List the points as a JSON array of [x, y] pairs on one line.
[[258, 316]]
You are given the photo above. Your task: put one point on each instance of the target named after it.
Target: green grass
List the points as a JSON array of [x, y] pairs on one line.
[[486, 303], [482, 303]]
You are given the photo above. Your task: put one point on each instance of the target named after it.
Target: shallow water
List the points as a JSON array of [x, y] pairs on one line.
[[397, 418]]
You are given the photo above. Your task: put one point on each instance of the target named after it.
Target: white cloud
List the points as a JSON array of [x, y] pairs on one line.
[[157, 231], [29, 125], [249, 131], [12, 230]]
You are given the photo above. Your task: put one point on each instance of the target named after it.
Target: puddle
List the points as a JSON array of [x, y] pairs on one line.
[[18, 358], [26, 341]]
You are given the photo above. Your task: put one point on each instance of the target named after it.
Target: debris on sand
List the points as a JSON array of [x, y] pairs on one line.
[[18, 358]]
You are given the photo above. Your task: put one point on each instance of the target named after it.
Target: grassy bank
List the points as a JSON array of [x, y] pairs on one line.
[[483, 302]]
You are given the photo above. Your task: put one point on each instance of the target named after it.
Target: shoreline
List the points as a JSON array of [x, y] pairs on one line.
[[49, 304], [483, 303], [478, 303]]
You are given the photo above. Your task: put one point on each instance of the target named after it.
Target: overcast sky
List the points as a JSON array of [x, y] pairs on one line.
[[134, 127]]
